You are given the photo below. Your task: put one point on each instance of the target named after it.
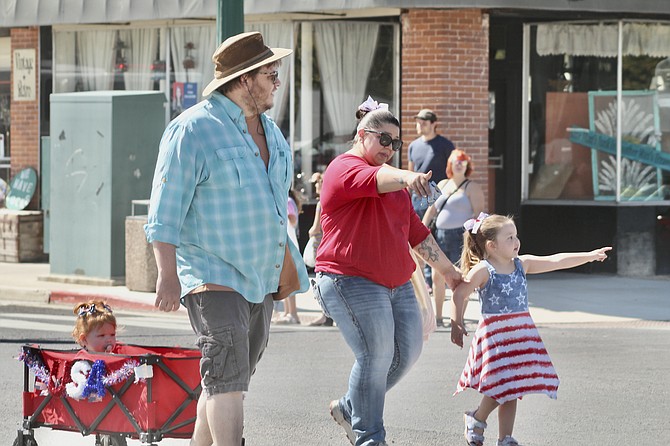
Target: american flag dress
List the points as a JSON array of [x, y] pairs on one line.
[[507, 357]]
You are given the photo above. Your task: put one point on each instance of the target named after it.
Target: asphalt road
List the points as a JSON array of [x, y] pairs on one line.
[[614, 383]]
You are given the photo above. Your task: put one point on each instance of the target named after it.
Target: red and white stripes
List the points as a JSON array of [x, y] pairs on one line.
[[507, 359]]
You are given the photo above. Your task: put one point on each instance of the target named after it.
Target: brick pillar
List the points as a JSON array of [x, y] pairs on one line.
[[444, 60], [25, 115]]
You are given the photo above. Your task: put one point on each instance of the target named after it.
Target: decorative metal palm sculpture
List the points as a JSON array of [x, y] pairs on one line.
[[638, 180]]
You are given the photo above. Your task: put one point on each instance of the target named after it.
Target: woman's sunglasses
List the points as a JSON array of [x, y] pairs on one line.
[[387, 140]]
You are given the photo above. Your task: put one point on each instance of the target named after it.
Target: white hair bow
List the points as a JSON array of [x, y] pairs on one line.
[[473, 224], [370, 105]]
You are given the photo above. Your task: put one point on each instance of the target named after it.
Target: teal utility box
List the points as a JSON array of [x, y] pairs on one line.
[[103, 150]]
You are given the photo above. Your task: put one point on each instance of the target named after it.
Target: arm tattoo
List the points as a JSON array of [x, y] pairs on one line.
[[399, 180], [427, 251]]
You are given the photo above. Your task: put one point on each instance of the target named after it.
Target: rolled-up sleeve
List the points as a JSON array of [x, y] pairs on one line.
[[178, 169]]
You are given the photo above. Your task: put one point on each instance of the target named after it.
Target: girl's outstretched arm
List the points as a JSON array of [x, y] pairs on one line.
[[542, 264], [459, 301]]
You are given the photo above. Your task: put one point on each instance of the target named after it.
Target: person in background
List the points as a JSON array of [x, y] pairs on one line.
[[507, 358], [461, 200], [217, 223], [316, 232], [428, 153], [290, 315], [364, 266]]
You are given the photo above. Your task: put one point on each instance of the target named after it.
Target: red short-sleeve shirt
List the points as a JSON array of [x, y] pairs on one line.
[[366, 233]]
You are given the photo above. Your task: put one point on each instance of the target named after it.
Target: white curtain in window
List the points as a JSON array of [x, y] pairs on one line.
[[141, 46], [344, 52], [64, 70], [203, 40], [278, 35], [601, 40], [95, 51], [646, 39]]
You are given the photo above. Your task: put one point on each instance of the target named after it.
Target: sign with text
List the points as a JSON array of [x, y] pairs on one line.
[[25, 80], [190, 94], [21, 189]]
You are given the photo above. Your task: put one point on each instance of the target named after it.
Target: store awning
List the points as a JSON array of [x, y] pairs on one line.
[[69, 12], [53, 12]]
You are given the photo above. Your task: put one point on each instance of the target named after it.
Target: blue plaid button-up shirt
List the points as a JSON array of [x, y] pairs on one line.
[[213, 198]]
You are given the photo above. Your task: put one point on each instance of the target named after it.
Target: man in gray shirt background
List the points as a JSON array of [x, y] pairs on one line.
[[429, 152]]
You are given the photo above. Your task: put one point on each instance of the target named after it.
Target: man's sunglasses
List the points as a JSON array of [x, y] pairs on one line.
[[273, 75], [386, 140]]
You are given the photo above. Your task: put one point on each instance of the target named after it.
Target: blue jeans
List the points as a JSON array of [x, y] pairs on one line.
[[451, 243], [383, 328]]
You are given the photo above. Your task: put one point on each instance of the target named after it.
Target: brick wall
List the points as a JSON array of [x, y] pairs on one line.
[[444, 61], [25, 119]]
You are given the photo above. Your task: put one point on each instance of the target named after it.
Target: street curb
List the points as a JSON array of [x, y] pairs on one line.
[[73, 298], [25, 294]]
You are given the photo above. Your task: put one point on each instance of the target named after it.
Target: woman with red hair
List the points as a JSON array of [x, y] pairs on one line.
[[461, 200]]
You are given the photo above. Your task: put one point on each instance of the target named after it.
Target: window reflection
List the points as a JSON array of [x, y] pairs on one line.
[[574, 113], [336, 65]]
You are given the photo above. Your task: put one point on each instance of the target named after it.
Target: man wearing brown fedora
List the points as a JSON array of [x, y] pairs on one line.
[[217, 223]]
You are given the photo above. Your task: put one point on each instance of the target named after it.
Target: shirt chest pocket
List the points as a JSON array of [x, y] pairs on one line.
[[232, 167], [281, 170]]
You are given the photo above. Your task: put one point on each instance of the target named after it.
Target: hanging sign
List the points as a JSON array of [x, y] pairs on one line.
[[25, 87]]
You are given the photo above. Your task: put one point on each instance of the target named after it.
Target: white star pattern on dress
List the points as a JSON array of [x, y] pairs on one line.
[[521, 298], [515, 276], [495, 299], [505, 310], [506, 288]]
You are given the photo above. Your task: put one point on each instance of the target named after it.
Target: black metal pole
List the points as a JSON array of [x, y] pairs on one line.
[[229, 18]]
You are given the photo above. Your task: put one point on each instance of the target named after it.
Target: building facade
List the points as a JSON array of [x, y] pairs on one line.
[[564, 106]]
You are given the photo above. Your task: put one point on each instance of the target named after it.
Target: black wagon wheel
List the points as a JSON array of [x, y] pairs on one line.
[[25, 440], [113, 440]]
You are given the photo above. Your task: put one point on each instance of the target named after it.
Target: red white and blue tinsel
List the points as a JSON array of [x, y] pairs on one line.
[[94, 386], [97, 379]]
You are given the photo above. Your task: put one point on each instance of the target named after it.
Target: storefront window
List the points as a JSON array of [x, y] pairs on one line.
[[107, 58], [588, 139], [5, 101], [191, 49], [338, 64], [335, 65]]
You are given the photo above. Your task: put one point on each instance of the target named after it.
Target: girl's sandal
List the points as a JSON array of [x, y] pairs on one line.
[[471, 423], [508, 441]]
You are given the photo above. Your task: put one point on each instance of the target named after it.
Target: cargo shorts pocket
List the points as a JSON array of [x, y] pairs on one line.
[[218, 356]]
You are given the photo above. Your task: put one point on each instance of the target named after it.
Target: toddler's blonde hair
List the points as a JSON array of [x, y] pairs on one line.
[[90, 315]]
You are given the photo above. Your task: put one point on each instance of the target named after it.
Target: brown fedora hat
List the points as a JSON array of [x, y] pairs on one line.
[[240, 54]]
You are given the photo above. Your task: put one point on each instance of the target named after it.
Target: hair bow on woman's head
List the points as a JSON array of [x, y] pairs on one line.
[[370, 105], [473, 224]]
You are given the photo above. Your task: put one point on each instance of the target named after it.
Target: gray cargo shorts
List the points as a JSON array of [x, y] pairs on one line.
[[232, 335]]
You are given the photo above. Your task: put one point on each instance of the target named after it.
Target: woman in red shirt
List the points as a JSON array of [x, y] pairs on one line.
[[364, 265]]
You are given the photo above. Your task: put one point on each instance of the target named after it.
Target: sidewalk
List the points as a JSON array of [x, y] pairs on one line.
[[560, 297]]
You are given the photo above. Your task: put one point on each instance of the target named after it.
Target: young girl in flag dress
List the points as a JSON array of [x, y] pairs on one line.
[[507, 358]]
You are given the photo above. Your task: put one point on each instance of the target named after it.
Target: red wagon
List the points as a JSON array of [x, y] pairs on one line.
[[140, 392]]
